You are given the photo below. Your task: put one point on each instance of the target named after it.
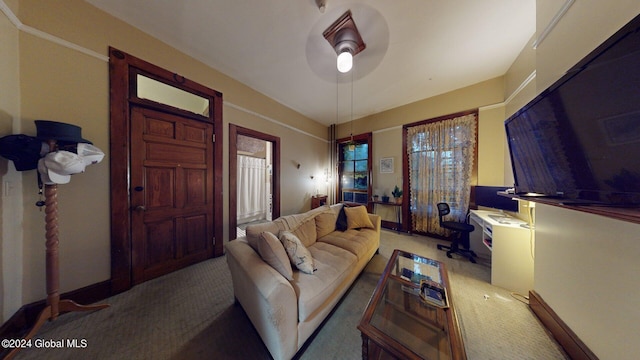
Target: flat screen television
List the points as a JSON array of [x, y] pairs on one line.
[[487, 196], [579, 140]]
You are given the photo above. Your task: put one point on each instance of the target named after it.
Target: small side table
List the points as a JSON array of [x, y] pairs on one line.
[[318, 200], [398, 210]]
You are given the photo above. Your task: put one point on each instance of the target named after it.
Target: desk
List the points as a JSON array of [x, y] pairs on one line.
[[510, 245], [398, 215]]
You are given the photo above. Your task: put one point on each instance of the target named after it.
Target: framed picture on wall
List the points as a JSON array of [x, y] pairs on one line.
[[386, 165]]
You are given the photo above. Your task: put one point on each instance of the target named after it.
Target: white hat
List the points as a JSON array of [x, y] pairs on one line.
[[89, 154], [44, 174], [61, 164]]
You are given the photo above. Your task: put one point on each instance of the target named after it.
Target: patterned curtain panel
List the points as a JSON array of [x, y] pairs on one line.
[[441, 156]]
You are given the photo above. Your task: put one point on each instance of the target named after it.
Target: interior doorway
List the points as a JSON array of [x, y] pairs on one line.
[[255, 172], [254, 178]]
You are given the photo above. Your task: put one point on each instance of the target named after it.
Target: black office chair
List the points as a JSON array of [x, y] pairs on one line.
[[462, 237]]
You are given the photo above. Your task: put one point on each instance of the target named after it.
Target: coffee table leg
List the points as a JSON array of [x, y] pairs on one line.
[[365, 346]]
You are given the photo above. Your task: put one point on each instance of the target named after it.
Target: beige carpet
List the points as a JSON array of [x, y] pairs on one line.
[[190, 314]]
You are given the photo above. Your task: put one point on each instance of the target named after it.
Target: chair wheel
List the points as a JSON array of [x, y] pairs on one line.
[[472, 260], [449, 256]]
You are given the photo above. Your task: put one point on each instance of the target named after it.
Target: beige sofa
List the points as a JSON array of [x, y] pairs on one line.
[[287, 312]]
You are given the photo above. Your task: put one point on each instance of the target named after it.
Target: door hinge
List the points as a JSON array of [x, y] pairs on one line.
[[213, 138]]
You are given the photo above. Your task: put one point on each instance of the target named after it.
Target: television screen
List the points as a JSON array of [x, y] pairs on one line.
[[487, 196], [579, 140]]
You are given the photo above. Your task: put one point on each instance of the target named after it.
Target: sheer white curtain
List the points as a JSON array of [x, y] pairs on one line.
[[441, 156], [252, 194]]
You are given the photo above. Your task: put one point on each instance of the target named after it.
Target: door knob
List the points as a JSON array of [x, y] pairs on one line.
[[140, 208]]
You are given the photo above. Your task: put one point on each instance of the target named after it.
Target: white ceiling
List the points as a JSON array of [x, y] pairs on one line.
[[415, 48]]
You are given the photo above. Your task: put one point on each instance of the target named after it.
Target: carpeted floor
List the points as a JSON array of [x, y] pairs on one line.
[[190, 314]]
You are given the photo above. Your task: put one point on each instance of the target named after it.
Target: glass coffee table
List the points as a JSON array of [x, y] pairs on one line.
[[399, 324]]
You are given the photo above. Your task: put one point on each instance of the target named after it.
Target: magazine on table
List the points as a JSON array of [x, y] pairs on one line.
[[412, 276], [433, 293], [409, 275]]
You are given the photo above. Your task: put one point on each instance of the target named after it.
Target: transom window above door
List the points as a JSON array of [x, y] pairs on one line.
[[154, 90]]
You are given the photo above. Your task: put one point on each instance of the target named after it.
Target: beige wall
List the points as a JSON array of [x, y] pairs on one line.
[[586, 265], [520, 79], [487, 96], [310, 151], [585, 26], [586, 269], [491, 139], [11, 204], [69, 83]]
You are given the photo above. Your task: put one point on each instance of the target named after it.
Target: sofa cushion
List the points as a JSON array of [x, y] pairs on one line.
[[325, 223], [273, 253], [357, 242], [306, 232], [333, 266], [298, 254], [357, 217], [254, 231]]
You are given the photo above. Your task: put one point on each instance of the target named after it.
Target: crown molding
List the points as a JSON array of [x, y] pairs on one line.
[[43, 35], [552, 24], [46, 36], [263, 117]]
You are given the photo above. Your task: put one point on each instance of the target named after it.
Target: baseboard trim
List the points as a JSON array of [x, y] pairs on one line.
[[21, 322], [571, 343]]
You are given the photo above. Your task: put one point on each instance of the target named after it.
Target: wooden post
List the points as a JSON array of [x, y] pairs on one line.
[[51, 235]]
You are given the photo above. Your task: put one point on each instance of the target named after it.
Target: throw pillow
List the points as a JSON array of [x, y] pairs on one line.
[[357, 217], [272, 252], [253, 231], [341, 223], [325, 223], [306, 232], [298, 254]]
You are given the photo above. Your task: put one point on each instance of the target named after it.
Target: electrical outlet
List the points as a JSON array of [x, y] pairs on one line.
[[7, 188]]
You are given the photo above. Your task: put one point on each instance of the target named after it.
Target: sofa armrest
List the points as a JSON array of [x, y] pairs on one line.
[[266, 296], [376, 220]]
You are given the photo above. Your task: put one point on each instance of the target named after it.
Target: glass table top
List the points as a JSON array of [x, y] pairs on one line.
[[400, 315]]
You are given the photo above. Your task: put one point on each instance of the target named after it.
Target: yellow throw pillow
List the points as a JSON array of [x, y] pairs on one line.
[[325, 223], [357, 217]]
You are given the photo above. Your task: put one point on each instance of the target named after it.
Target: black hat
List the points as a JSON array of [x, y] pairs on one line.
[[22, 149], [59, 131]]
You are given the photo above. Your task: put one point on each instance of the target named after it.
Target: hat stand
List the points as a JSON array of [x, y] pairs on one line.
[[55, 306]]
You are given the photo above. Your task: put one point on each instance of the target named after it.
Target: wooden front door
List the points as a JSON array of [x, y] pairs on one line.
[[171, 192]]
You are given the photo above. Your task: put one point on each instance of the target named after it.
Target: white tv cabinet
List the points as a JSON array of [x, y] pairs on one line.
[[509, 243]]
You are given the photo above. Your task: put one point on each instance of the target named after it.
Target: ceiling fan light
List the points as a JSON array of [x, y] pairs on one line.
[[345, 61]]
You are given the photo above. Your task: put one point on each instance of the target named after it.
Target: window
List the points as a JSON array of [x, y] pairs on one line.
[[154, 90], [354, 169], [441, 162]]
